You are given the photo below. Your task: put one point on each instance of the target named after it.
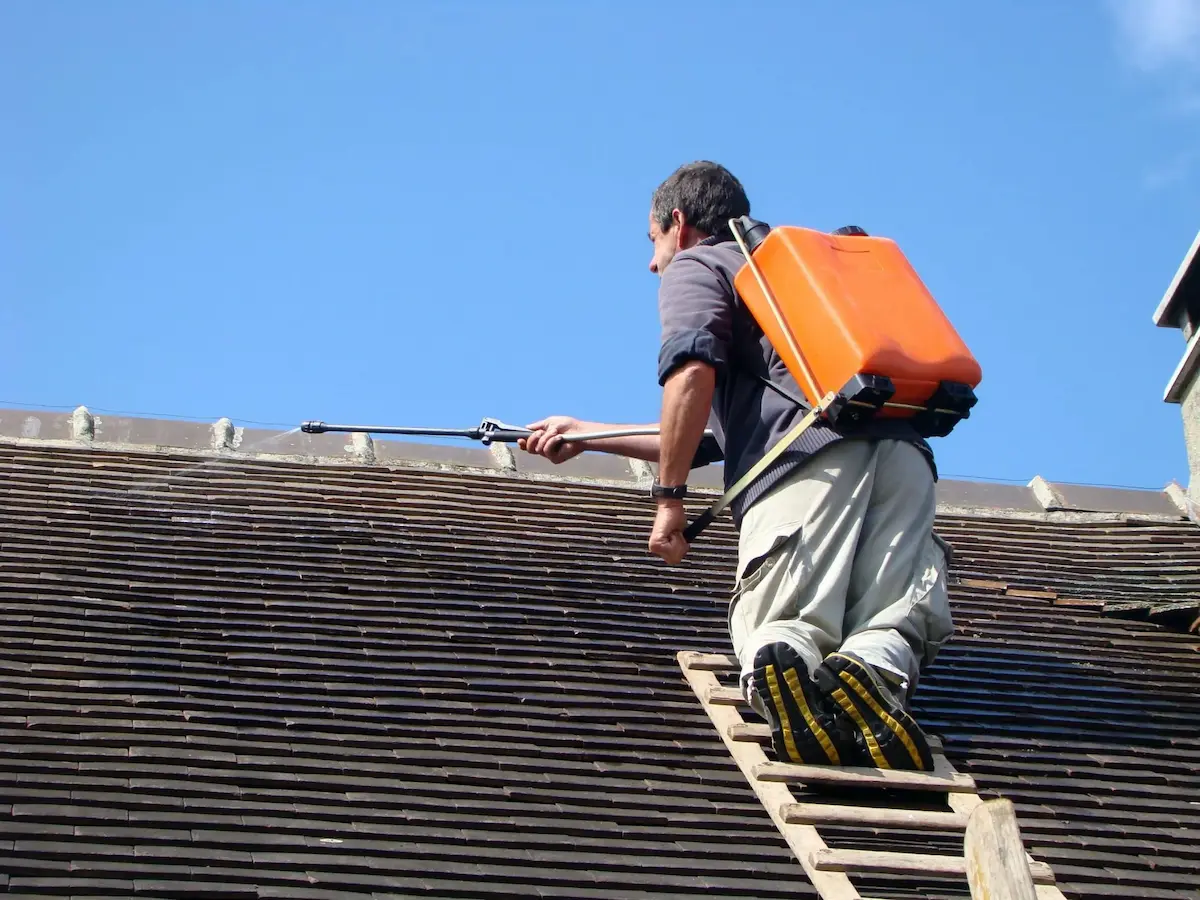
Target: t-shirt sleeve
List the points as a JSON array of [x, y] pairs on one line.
[[695, 308], [708, 452]]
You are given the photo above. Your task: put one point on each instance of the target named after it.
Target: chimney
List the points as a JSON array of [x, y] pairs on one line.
[[1180, 308]]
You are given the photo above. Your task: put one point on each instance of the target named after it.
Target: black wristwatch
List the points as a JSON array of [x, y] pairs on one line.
[[674, 493]]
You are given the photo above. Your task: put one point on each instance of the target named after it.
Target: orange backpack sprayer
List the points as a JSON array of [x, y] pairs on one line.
[[856, 328]]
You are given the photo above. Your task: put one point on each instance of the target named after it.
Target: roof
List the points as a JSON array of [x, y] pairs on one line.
[[259, 675]]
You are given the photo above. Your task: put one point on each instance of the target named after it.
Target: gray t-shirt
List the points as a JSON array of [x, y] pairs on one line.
[[702, 318]]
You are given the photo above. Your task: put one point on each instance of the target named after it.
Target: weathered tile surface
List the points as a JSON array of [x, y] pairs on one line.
[[266, 680]]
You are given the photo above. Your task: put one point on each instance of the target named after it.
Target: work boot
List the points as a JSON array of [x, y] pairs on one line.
[[886, 736], [806, 725]]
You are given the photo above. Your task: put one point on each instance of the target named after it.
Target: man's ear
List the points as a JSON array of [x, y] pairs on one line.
[[682, 228]]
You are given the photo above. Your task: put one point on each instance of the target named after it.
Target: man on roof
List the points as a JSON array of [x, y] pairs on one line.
[[839, 599]]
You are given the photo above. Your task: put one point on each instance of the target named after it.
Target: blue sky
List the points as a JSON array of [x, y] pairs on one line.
[[427, 213]]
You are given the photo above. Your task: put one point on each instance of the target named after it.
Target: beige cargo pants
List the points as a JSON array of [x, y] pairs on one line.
[[842, 556]]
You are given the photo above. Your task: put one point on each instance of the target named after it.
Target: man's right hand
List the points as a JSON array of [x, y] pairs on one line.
[[547, 441]]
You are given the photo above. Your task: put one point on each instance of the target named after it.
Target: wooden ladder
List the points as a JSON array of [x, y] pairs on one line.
[[829, 868]]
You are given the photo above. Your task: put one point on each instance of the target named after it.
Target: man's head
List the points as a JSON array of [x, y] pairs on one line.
[[695, 202]]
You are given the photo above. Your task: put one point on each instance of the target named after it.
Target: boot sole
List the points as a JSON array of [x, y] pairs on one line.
[[788, 691], [893, 738]]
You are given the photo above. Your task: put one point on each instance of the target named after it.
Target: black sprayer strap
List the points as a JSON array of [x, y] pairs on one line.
[[701, 522], [782, 392]]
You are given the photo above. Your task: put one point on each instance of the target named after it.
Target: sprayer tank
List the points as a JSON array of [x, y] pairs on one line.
[[854, 305]]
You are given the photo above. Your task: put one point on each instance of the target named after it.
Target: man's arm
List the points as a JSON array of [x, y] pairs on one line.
[[638, 446], [696, 311], [687, 399], [546, 440], [687, 402]]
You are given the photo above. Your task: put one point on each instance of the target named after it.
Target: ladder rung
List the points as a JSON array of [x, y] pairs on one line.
[[830, 814], [754, 732], [885, 861], [725, 696], [759, 733], [862, 776], [713, 662]]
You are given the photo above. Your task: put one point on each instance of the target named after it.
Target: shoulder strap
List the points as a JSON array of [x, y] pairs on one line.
[[783, 392]]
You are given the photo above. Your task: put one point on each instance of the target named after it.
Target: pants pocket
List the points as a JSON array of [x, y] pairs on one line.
[[757, 571], [758, 568]]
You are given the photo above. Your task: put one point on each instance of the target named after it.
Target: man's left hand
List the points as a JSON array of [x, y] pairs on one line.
[[666, 538]]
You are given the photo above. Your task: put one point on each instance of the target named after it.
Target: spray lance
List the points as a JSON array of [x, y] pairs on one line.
[[487, 432], [493, 430]]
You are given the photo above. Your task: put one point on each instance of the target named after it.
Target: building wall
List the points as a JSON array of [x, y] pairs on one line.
[[1191, 436]]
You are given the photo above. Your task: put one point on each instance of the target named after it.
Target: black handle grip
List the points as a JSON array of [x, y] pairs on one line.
[[702, 521], [508, 436]]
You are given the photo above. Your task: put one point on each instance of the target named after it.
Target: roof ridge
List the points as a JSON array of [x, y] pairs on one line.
[[1039, 500]]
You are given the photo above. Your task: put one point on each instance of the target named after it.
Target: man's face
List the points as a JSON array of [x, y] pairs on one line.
[[666, 245]]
